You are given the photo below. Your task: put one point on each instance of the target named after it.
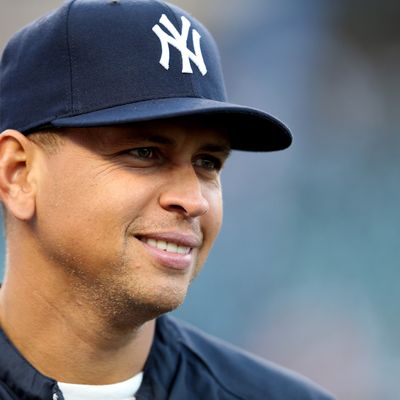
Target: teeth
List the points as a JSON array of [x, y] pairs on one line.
[[167, 246], [172, 248], [152, 242], [182, 250], [161, 245]]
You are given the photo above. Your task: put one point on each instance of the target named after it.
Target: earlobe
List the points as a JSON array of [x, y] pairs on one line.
[[17, 192]]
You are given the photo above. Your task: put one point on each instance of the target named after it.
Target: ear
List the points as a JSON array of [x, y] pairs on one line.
[[17, 191]]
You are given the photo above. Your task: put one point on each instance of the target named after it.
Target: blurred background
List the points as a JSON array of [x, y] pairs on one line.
[[305, 272]]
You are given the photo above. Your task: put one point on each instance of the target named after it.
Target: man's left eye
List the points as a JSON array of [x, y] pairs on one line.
[[209, 163]]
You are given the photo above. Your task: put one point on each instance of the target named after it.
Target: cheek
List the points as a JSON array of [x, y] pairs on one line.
[[211, 222], [90, 191], [215, 215], [83, 221], [77, 204]]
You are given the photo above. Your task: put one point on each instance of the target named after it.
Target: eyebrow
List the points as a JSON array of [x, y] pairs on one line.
[[217, 148]]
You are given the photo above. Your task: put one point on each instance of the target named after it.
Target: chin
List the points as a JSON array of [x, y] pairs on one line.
[[130, 309], [166, 300]]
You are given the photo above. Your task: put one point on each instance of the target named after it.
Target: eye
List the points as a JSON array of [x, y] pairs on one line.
[[143, 153], [208, 163], [142, 157]]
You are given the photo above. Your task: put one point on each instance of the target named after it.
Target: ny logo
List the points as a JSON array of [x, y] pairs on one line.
[[179, 41]]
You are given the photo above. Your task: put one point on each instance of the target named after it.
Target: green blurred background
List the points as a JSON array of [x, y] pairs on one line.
[[305, 271]]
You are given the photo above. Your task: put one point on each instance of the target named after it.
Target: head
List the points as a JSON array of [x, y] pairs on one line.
[[115, 152], [106, 208]]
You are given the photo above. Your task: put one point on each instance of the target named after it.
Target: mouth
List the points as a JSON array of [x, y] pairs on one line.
[[172, 250], [169, 247]]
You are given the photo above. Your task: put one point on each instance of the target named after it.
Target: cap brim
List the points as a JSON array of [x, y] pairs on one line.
[[248, 128]]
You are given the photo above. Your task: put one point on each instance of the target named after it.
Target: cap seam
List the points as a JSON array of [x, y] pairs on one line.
[[72, 109], [131, 102], [90, 107]]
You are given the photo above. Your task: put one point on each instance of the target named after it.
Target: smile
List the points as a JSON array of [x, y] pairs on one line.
[[173, 250], [168, 247]]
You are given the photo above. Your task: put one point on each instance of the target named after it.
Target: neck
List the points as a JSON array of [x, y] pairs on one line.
[[66, 339]]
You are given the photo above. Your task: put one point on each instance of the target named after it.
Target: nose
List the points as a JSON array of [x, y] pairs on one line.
[[183, 193]]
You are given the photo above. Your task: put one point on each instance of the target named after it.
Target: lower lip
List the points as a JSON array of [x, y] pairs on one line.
[[175, 261]]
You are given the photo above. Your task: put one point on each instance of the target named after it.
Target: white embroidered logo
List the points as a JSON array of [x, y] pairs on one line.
[[179, 41]]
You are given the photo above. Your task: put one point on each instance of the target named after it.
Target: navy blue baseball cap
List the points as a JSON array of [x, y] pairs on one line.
[[108, 62]]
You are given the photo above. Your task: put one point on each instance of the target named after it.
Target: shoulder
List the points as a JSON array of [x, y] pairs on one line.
[[242, 374]]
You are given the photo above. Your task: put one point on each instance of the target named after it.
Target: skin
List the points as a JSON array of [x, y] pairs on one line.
[[81, 289]]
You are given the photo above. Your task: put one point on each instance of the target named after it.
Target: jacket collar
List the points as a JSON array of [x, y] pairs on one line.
[[29, 384], [21, 377]]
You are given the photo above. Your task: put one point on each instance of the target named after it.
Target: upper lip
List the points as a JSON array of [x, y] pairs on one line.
[[179, 238]]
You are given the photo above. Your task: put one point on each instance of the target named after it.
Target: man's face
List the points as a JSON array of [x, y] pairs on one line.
[[128, 214]]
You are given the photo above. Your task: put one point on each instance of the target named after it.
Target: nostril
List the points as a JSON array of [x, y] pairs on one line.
[[114, 2], [177, 207]]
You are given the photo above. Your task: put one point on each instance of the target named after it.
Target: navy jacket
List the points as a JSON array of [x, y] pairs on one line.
[[184, 364]]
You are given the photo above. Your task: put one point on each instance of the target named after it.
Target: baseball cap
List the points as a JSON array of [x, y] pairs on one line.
[[108, 62]]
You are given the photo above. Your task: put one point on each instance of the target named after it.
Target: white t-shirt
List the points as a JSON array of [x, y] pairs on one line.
[[125, 390]]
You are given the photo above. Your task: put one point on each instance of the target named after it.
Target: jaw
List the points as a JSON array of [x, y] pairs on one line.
[[135, 292]]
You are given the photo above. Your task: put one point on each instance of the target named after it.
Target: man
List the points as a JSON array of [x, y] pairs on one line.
[[115, 129]]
